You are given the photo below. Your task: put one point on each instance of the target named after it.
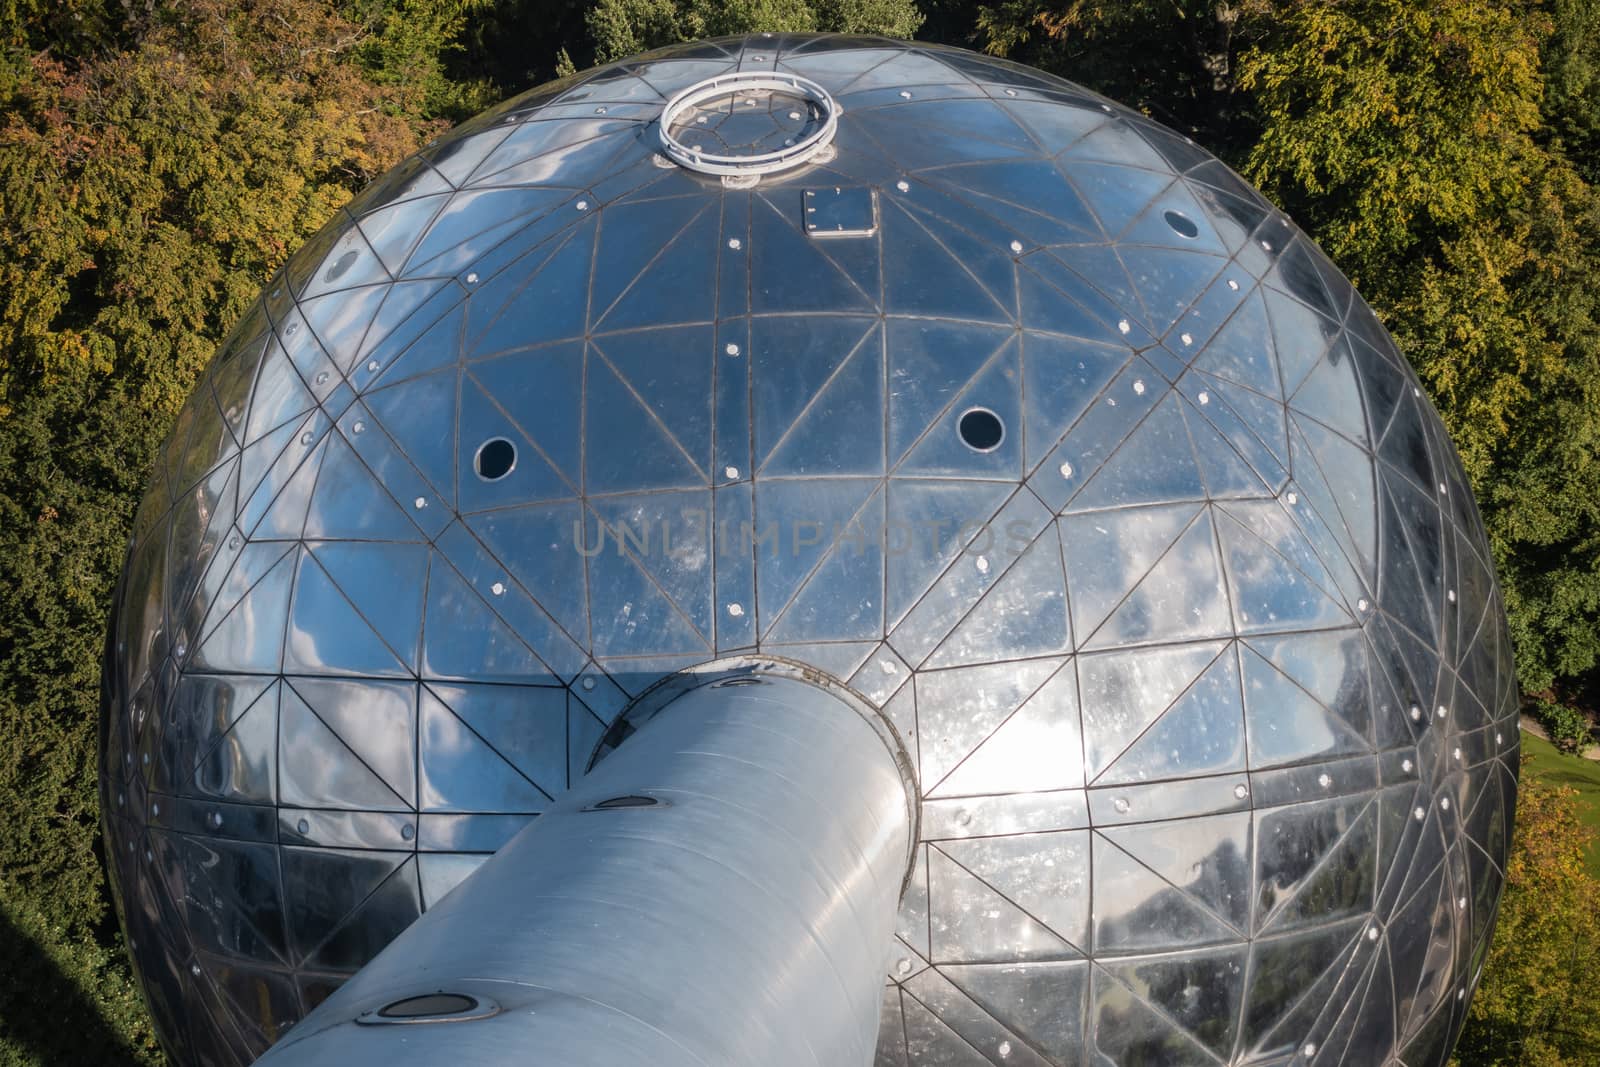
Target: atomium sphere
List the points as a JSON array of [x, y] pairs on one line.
[[1017, 414]]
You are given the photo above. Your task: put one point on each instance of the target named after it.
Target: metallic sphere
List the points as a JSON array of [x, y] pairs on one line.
[[1017, 413]]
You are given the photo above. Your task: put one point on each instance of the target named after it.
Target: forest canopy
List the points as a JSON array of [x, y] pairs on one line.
[[160, 159]]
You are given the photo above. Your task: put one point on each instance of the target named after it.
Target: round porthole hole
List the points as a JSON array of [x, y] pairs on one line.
[[428, 1006], [1181, 224], [981, 430], [340, 266], [624, 802], [495, 459]]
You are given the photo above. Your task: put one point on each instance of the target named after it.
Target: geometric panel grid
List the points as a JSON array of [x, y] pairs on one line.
[[1082, 462]]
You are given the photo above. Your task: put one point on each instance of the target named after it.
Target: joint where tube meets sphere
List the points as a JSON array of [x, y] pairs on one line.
[[660, 892]]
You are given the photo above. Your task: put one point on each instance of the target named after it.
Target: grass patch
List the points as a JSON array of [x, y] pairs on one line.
[[1553, 768]]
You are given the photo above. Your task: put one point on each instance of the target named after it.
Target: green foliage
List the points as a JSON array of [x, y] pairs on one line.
[[1544, 764], [888, 18], [1572, 82], [622, 28], [66, 999], [74, 24], [406, 48], [1405, 136], [1388, 123], [517, 44], [1173, 59], [146, 193], [64, 514], [1536, 1004], [1567, 726]]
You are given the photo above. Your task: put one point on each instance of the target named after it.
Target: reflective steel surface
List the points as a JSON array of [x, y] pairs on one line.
[[1020, 414], [700, 898]]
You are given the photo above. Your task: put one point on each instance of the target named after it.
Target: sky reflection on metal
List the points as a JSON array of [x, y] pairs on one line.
[[1206, 673]]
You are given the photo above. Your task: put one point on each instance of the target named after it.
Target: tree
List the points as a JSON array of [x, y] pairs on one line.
[[1572, 82], [146, 194], [622, 28], [1535, 1005], [411, 50], [70, 25], [1176, 60], [1404, 136]]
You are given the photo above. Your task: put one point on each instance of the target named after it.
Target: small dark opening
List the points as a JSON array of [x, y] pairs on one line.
[[1182, 224], [345, 262], [982, 429], [428, 1005], [625, 802], [620, 731], [736, 682], [495, 459]]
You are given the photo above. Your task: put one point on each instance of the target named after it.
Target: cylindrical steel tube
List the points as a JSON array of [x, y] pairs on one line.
[[743, 918]]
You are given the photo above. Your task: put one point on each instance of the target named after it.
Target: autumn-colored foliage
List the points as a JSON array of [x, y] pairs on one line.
[[1536, 1003], [146, 191]]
